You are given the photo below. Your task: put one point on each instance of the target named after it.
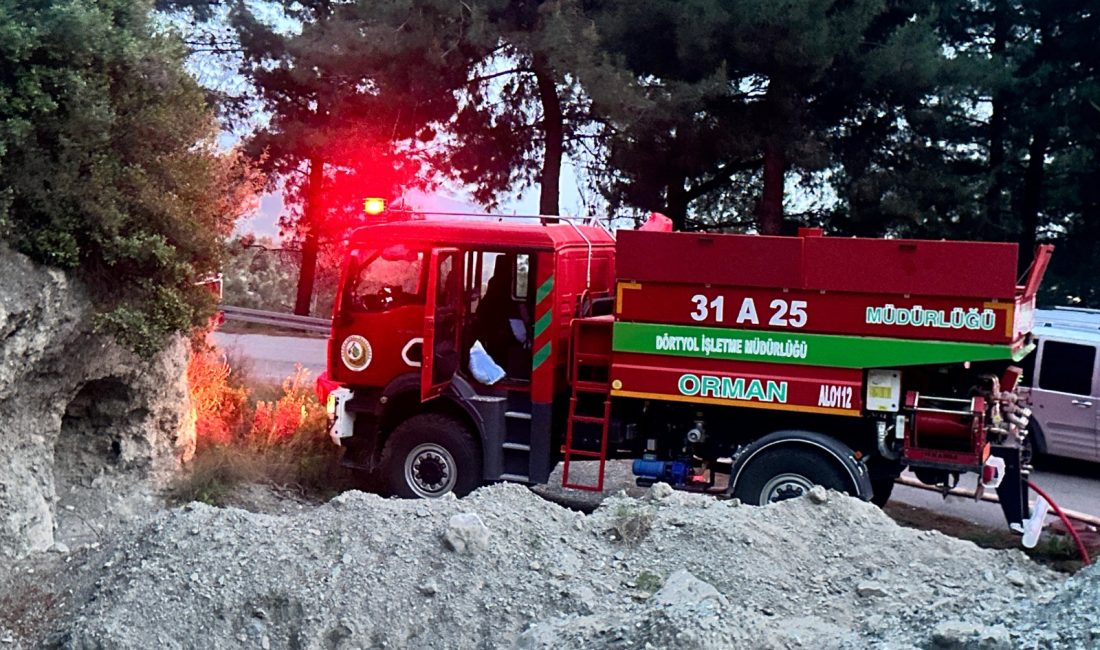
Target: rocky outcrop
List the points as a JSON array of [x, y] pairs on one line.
[[88, 431]]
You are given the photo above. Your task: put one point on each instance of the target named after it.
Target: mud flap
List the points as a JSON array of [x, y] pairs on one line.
[[1013, 492]]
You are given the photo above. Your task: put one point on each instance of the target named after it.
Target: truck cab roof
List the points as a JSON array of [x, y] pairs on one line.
[[483, 233]]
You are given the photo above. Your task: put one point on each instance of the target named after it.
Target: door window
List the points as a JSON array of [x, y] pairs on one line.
[[481, 266], [1067, 367], [500, 306], [443, 324], [387, 278], [519, 277]]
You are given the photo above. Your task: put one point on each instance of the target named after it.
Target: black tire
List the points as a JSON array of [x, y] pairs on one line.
[[428, 456], [789, 471], [881, 489]]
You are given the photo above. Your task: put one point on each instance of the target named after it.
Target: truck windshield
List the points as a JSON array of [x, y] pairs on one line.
[[385, 279]]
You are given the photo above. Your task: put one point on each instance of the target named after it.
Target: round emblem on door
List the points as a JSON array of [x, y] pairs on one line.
[[356, 353]]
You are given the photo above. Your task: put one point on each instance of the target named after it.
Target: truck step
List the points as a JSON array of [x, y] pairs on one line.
[[591, 387], [516, 446], [517, 415], [518, 478]]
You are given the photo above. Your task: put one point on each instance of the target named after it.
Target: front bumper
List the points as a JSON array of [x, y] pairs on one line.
[[341, 421]]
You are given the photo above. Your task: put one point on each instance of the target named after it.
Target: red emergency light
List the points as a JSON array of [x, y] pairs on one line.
[[374, 205]]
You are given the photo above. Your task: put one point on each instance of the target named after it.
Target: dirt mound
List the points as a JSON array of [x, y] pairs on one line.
[[505, 568]]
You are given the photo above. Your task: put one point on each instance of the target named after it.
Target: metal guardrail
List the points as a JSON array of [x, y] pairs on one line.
[[277, 319]]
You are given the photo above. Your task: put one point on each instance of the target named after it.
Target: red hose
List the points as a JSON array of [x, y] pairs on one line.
[[1065, 520]]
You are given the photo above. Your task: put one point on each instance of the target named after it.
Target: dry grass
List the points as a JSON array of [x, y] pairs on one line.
[[254, 432], [631, 526], [1054, 550], [305, 463]]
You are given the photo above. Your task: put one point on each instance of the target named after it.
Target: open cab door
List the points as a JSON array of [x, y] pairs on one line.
[[442, 322]]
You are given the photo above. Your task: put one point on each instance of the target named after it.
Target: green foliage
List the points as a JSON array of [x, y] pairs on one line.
[[499, 78], [108, 162], [648, 581], [1001, 149], [260, 274], [730, 92], [966, 119]]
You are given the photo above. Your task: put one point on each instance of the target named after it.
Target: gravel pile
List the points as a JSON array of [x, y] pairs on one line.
[[1072, 618], [505, 568]]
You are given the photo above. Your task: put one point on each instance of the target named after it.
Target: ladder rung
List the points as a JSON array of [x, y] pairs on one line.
[[588, 419], [592, 387], [581, 486], [517, 446], [583, 453]]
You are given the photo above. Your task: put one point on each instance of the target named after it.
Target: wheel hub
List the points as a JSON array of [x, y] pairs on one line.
[[785, 486], [430, 470]]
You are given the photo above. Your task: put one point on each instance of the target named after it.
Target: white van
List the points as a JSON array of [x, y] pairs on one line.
[[1063, 383]]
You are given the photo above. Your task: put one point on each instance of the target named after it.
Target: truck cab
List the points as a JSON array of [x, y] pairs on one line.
[[418, 301]]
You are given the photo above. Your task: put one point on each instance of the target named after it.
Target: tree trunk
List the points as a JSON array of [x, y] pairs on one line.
[[553, 133], [998, 126], [769, 212], [310, 225], [1031, 201], [677, 202]]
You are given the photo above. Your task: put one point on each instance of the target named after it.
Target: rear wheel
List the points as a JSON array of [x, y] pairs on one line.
[[428, 456], [786, 472]]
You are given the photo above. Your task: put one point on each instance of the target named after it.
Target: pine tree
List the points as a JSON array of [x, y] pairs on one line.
[[740, 91]]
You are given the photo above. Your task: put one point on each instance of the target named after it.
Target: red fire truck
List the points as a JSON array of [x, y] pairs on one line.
[[744, 365]]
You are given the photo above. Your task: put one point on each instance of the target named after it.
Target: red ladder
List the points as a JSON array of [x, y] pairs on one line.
[[591, 363]]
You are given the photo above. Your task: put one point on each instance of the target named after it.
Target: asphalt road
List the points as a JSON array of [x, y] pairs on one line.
[[1071, 484], [273, 358], [1074, 485]]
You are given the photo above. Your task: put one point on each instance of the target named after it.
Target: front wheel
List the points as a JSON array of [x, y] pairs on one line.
[[786, 472], [428, 456]]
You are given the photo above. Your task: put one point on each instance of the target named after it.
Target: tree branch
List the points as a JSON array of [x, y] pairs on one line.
[[487, 77], [720, 179]]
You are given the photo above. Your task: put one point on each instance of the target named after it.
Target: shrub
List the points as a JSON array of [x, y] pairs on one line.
[[295, 413], [109, 164], [218, 403], [280, 442]]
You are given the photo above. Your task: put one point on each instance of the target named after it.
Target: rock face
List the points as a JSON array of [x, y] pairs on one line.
[[86, 428]]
